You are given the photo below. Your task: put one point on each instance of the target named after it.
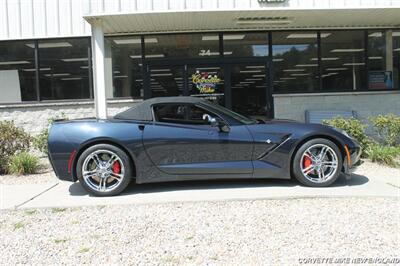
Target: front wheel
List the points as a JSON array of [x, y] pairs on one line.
[[317, 163], [104, 170]]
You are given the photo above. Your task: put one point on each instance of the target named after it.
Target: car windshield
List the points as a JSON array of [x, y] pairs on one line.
[[241, 118]]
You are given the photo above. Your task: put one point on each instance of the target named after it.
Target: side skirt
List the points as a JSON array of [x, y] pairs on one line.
[[174, 178]]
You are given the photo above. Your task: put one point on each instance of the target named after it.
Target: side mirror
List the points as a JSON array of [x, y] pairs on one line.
[[223, 127]]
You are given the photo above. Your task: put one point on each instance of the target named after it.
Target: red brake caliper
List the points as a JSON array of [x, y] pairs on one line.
[[307, 162], [116, 168]]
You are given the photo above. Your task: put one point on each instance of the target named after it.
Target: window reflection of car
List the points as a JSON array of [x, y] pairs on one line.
[[188, 138]]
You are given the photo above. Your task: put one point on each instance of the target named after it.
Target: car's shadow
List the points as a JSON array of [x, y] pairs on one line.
[[76, 189]]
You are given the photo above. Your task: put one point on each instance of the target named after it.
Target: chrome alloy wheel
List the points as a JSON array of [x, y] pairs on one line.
[[319, 163], [103, 170]]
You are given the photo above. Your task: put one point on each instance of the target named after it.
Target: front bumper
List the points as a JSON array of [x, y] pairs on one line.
[[350, 165]]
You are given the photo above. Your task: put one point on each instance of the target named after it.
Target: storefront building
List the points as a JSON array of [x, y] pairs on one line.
[[264, 58]]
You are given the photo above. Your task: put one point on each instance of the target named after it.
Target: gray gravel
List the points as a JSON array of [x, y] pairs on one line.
[[213, 233], [43, 177]]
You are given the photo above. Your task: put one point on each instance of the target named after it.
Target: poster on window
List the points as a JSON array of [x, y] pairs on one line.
[[205, 82], [380, 80]]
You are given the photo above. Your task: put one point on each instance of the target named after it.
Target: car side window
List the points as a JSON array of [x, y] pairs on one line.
[[195, 115], [169, 113], [188, 114]]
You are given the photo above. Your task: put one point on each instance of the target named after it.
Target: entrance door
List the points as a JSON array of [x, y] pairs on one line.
[[249, 89], [198, 80], [239, 86]]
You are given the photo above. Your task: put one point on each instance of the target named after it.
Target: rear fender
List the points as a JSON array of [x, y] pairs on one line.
[[67, 137], [102, 140]]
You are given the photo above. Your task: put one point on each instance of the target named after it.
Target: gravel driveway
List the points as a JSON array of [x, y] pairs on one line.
[[276, 232]]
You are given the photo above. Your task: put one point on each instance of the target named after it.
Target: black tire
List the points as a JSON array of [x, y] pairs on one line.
[[126, 164], [296, 164]]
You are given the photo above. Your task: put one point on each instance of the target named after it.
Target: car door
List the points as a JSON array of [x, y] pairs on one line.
[[180, 142]]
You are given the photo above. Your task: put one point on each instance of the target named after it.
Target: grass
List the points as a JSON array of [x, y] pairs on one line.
[[384, 154], [84, 250], [18, 225], [23, 164], [58, 241], [30, 212], [189, 238], [57, 210]]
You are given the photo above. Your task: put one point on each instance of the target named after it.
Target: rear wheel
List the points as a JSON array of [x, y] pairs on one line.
[[317, 163], [104, 170]]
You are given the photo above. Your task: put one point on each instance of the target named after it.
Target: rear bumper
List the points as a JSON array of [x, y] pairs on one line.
[[66, 176]]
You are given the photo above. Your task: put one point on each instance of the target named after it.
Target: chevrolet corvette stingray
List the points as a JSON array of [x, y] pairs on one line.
[[189, 138]]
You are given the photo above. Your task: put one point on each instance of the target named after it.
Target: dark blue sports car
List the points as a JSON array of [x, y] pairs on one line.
[[187, 138]]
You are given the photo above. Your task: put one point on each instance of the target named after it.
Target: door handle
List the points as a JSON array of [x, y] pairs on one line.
[[141, 127]]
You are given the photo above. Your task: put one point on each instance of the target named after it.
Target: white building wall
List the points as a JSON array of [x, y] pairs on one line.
[[24, 19]]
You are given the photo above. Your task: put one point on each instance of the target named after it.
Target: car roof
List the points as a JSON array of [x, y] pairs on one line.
[[143, 111]]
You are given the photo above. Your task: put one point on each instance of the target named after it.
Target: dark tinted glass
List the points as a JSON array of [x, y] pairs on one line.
[[245, 44], [64, 69], [376, 50], [17, 71], [249, 87], [166, 81], [180, 114], [343, 63], [169, 113], [182, 45], [380, 54], [295, 61], [126, 66], [396, 59]]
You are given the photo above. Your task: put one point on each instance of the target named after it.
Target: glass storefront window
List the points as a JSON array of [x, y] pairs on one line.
[[249, 88], [396, 59], [17, 72], [376, 50], [182, 45], [64, 69], [295, 62], [166, 81], [350, 60], [245, 44], [381, 74], [343, 60], [126, 66]]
